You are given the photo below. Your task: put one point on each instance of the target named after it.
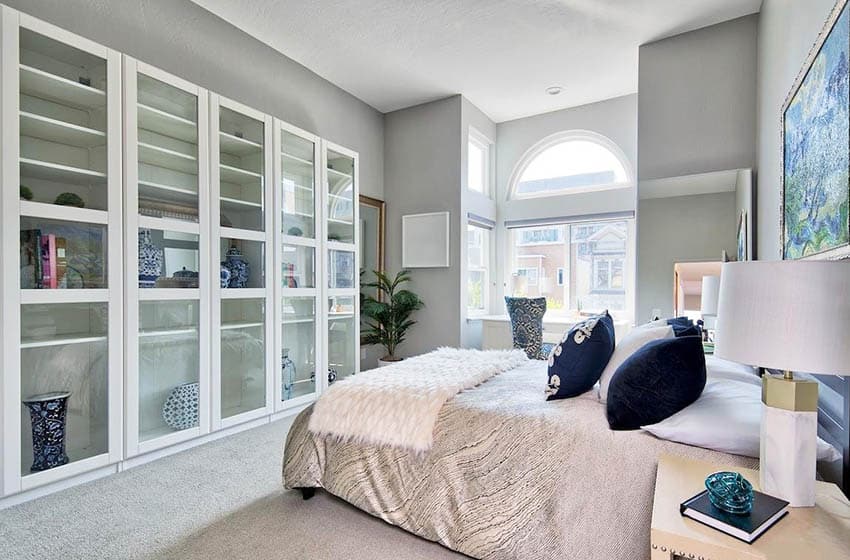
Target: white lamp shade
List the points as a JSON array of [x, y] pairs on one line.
[[710, 295], [786, 315]]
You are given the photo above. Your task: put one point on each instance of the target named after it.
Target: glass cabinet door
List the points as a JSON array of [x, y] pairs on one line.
[[342, 338], [242, 297], [243, 356], [298, 362], [341, 198], [167, 258], [62, 197], [169, 367]]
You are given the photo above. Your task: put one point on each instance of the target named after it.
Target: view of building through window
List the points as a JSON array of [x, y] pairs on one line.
[[576, 267], [477, 257]]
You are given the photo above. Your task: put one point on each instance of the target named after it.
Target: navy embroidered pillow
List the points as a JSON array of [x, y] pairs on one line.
[[656, 382], [682, 326], [576, 364]]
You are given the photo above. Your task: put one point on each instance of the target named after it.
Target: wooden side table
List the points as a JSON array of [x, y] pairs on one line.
[[817, 533]]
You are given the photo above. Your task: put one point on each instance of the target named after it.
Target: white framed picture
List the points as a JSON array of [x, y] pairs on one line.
[[425, 240]]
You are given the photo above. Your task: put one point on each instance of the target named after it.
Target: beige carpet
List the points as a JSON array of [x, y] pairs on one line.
[[223, 500]]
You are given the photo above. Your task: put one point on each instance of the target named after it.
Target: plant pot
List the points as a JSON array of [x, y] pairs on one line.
[[382, 362]]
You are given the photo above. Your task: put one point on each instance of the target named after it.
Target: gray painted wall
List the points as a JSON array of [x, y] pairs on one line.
[[422, 173], [188, 41], [679, 229], [697, 100], [787, 31], [480, 205]]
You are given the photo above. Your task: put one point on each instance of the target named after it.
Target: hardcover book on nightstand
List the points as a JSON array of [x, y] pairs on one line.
[[766, 511]]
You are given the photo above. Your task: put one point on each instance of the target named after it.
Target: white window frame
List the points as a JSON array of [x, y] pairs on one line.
[[560, 138], [485, 145], [486, 244]]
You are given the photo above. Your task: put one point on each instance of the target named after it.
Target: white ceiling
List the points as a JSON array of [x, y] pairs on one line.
[[500, 54]]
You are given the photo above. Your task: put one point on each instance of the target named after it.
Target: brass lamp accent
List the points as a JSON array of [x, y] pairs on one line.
[[789, 393]]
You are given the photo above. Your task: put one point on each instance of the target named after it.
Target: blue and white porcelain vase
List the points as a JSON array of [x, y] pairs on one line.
[[48, 413], [224, 276], [288, 374], [238, 267], [180, 410], [151, 259]]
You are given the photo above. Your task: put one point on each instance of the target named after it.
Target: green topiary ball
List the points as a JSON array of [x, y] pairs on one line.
[[69, 199], [26, 192]]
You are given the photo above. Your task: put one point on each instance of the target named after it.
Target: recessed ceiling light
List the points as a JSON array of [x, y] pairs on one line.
[[554, 90]]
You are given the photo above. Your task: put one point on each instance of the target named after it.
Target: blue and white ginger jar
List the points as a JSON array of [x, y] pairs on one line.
[[151, 259], [238, 267]]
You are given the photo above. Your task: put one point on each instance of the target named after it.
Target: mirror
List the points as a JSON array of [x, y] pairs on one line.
[[687, 226], [372, 217]]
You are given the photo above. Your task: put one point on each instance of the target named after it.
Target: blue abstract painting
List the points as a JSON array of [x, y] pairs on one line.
[[816, 136]]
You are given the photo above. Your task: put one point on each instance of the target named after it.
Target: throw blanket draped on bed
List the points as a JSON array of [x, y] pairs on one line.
[[397, 405]]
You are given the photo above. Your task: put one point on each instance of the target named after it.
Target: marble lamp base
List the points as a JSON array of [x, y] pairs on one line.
[[789, 454]]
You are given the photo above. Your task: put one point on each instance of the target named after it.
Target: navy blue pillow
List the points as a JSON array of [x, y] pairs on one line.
[[576, 364], [660, 379], [682, 326]]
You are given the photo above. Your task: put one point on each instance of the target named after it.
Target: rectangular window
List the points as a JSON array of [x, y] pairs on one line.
[[576, 267], [477, 266], [478, 163]]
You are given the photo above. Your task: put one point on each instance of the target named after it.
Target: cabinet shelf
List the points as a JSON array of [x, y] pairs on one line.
[[167, 193], [235, 146], [240, 326], [299, 319], [59, 173], [236, 204], [167, 124], [61, 341], [168, 159], [156, 333], [53, 130], [290, 157], [63, 213], [235, 175], [339, 174], [44, 85]]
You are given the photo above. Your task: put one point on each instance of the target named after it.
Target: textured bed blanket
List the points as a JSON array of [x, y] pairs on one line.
[[510, 476], [398, 405]]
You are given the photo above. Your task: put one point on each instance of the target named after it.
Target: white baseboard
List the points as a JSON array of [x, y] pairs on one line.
[[120, 466]]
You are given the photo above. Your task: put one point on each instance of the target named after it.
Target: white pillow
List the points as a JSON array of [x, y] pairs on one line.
[[718, 368], [727, 418], [630, 344]]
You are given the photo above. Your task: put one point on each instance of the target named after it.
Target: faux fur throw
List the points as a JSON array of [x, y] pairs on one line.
[[397, 405]]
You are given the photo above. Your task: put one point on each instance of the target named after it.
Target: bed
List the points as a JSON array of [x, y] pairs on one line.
[[509, 476]]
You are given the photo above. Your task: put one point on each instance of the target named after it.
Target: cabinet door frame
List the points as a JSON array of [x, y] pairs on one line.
[[12, 480], [266, 237], [133, 445], [329, 245], [317, 245]]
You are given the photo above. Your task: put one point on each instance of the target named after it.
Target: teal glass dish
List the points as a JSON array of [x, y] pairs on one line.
[[730, 492]]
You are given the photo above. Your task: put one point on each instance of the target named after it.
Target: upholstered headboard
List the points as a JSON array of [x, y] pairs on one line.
[[834, 426]]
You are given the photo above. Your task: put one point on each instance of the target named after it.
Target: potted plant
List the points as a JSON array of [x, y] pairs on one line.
[[388, 317]]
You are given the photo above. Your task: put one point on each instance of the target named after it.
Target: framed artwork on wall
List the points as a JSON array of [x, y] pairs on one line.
[[742, 237], [816, 149], [425, 240]]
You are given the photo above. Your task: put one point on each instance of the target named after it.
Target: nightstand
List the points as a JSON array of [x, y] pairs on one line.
[[817, 533]]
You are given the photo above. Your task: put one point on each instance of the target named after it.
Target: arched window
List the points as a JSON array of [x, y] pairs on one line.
[[570, 162]]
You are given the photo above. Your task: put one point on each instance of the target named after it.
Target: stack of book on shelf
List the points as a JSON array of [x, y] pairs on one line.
[[44, 262], [766, 511]]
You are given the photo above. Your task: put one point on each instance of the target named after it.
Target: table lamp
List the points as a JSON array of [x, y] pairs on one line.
[[787, 316], [708, 300]]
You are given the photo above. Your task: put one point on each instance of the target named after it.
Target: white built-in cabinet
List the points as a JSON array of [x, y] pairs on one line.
[[198, 273]]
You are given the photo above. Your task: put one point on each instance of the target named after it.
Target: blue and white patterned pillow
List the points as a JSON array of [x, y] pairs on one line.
[[527, 324], [576, 364]]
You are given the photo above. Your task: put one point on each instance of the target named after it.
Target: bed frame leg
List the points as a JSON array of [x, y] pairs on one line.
[[307, 493]]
